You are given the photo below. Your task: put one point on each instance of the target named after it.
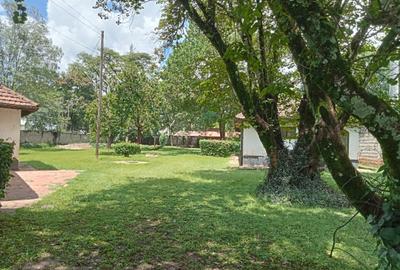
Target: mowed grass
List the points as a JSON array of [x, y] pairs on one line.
[[180, 210]]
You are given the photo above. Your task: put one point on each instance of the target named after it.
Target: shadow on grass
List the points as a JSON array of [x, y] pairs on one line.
[[168, 151], [107, 153], [39, 165], [173, 151], [209, 219]]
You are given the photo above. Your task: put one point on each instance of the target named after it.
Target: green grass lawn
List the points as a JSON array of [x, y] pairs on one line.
[[180, 210]]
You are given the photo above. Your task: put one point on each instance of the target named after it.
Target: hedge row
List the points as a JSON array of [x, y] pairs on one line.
[[219, 148], [127, 149], [6, 151]]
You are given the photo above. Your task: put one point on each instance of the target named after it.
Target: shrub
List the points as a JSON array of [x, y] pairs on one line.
[[127, 149], [163, 139], [6, 151], [219, 148]]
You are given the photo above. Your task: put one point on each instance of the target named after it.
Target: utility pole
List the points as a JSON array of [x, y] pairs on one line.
[[100, 97]]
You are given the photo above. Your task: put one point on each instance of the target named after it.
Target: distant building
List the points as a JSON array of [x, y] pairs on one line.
[[13, 106], [192, 138], [361, 146]]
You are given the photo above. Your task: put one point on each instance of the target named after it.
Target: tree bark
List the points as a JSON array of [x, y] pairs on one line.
[[262, 114], [300, 166], [322, 87], [110, 140], [139, 135], [139, 129], [221, 127], [376, 115], [56, 136], [260, 111], [306, 148]]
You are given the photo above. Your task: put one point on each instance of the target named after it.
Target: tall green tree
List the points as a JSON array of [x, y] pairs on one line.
[[328, 64], [249, 45], [130, 98], [137, 95], [29, 65], [326, 40], [196, 82], [79, 85], [315, 31]]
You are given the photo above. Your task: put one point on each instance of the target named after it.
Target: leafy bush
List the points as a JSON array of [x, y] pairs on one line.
[[219, 148], [6, 151], [127, 149], [163, 139]]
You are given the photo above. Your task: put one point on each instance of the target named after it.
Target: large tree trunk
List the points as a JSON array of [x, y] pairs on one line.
[[330, 79], [139, 135], [139, 130], [221, 127], [56, 136], [298, 168], [334, 71], [261, 112], [110, 140]]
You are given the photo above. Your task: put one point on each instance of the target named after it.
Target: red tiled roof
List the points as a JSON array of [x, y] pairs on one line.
[[288, 111], [205, 134], [12, 100]]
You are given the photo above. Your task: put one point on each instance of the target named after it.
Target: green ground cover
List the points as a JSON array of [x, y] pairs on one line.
[[176, 210]]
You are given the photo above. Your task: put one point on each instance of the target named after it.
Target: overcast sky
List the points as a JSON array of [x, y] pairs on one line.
[[78, 28]]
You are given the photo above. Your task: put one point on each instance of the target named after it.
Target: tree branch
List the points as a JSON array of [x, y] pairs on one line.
[[389, 44]]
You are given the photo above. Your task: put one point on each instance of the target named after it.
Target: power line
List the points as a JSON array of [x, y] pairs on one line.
[[73, 40], [90, 27], [66, 37], [80, 15]]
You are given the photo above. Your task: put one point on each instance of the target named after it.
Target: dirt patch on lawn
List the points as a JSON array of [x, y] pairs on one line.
[[234, 161], [130, 162], [28, 186], [46, 262], [75, 146], [151, 155]]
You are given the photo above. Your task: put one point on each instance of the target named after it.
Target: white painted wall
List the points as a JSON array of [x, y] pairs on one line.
[[354, 142], [252, 145], [10, 120]]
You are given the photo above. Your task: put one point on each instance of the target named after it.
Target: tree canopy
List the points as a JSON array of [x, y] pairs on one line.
[[328, 42], [331, 54]]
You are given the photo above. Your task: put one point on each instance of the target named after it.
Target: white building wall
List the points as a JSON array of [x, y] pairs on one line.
[[10, 127], [354, 143], [254, 154], [252, 145]]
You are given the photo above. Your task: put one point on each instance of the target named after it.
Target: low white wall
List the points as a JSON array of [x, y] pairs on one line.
[[354, 142], [252, 145], [9, 127], [28, 136]]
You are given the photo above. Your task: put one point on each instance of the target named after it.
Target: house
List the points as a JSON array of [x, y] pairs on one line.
[[361, 146], [192, 138], [13, 106], [253, 153]]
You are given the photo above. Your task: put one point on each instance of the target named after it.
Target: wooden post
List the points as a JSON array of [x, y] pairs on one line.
[[99, 105]]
